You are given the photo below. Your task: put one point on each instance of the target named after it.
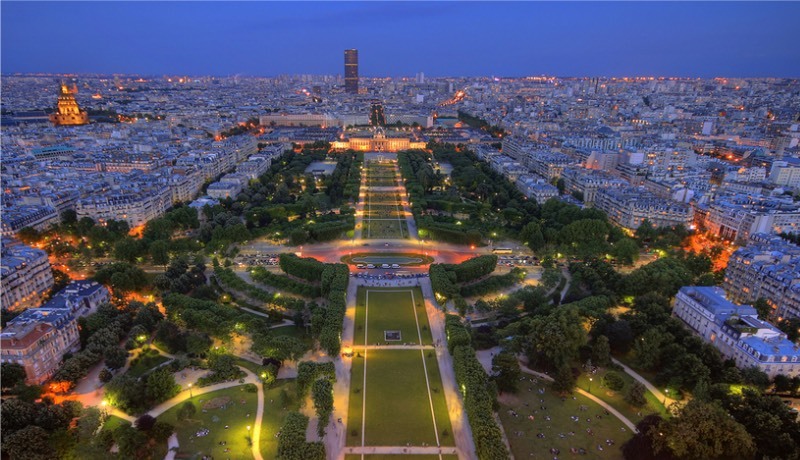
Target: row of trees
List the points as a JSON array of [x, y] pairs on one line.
[[229, 278], [292, 443], [494, 283], [284, 283], [478, 391]]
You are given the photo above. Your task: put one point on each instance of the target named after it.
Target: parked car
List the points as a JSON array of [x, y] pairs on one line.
[[395, 266]]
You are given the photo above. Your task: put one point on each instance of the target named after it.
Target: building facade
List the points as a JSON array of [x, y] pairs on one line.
[[736, 331], [768, 267], [351, 71], [26, 275], [37, 340]]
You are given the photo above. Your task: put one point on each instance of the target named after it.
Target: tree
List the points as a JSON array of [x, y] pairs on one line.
[[127, 250], [186, 411], [635, 395], [640, 446], [322, 394], [12, 375], [613, 381], [506, 371], [626, 251], [159, 252], [29, 443], [703, 431], [601, 351], [105, 375], [754, 376], [161, 385], [564, 380], [763, 308], [554, 340], [145, 422], [161, 431], [115, 357], [131, 441]]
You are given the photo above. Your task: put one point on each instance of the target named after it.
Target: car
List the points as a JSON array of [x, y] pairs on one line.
[[395, 266], [385, 266], [370, 266], [360, 266]]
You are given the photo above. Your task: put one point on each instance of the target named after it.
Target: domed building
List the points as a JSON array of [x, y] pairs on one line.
[[68, 113]]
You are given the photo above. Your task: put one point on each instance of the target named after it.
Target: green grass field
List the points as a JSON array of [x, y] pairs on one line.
[[276, 406], [391, 310], [617, 398], [398, 410], [146, 362], [560, 431], [234, 415], [396, 402]]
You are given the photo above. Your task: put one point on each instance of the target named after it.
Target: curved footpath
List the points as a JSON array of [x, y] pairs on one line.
[[650, 387], [594, 398], [185, 394]]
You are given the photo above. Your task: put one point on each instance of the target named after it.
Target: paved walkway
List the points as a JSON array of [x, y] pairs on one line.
[[462, 432], [393, 450], [605, 405], [650, 387]]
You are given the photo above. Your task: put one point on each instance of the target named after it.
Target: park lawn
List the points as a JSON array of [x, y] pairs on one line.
[[399, 457], [112, 422], [146, 363], [274, 414], [234, 415], [522, 432], [385, 229], [397, 408], [438, 399], [391, 310], [356, 402], [617, 398]]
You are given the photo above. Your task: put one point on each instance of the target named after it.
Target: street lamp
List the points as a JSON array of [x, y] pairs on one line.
[[590, 384], [666, 395], [190, 390]]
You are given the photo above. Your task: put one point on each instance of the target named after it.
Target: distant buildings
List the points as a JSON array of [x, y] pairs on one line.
[[26, 275], [351, 71], [629, 207], [739, 216], [736, 331], [768, 267], [67, 111]]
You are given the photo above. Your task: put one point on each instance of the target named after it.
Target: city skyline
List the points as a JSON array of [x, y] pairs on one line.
[[702, 40]]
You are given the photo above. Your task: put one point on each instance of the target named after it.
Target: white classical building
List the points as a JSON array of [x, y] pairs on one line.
[[736, 331]]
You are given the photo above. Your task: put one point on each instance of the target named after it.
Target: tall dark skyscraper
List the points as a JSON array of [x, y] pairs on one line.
[[351, 71]]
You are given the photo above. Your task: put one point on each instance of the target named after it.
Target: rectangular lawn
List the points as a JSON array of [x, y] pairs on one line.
[[391, 310], [397, 406]]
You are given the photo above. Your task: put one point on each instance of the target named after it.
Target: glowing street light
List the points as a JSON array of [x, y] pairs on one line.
[[190, 390]]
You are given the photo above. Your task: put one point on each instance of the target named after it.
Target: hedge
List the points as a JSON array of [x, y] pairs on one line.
[[307, 268], [292, 443], [283, 282], [477, 390], [227, 277]]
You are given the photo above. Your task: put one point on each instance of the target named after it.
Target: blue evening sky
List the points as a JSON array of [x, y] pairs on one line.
[[399, 39]]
